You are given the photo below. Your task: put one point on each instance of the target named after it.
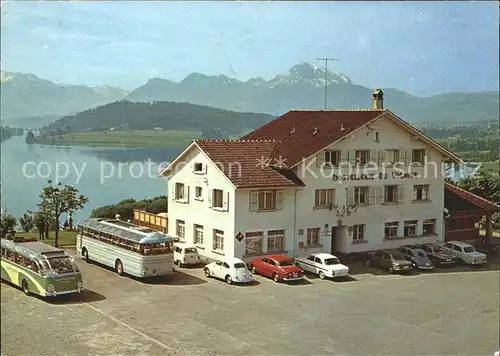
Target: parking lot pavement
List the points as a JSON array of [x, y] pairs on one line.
[[188, 314]]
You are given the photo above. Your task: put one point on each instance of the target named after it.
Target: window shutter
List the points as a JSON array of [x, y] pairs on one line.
[[279, 200], [372, 197], [426, 156], [429, 192], [401, 192], [380, 195], [349, 196], [192, 166], [344, 157], [226, 202], [210, 195], [381, 157], [320, 159], [172, 190], [373, 157], [254, 201], [186, 194], [352, 158], [408, 157], [402, 157]]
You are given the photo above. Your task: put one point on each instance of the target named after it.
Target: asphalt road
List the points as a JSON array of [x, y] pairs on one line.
[[438, 313]]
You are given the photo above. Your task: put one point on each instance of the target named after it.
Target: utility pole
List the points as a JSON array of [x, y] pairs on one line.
[[326, 73]]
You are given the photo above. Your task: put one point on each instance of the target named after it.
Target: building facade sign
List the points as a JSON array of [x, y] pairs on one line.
[[374, 176]]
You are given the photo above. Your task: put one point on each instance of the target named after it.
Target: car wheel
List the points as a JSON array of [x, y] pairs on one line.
[[368, 263], [253, 269], [119, 267], [276, 277], [229, 280], [207, 272], [321, 275], [391, 270], [24, 286]]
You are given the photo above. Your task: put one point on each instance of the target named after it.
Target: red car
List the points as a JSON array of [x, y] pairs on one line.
[[278, 267]]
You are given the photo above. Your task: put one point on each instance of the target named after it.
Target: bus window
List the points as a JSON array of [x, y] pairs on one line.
[[11, 256], [35, 267], [61, 265]]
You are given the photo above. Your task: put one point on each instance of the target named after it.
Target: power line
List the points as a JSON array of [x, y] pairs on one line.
[[326, 73]]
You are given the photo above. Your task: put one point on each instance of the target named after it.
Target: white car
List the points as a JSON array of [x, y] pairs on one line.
[[232, 270], [465, 252], [323, 264], [185, 254]]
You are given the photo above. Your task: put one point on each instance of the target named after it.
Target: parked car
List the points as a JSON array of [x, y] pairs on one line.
[[278, 267], [323, 264], [417, 257], [185, 254], [232, 270], [465, 252], [392, 261], [438, 256]]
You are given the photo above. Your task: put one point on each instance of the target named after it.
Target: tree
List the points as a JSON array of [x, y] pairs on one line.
[[30, 138], [60, 199], [27, 221], [7, 224], [484, 184]]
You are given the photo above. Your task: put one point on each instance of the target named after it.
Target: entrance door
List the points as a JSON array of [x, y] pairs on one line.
[[334, 236]]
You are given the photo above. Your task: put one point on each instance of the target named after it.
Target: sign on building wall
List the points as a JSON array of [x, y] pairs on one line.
[[374, 176], [239, 236]]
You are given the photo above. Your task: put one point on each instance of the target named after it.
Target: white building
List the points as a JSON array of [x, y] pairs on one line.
[[310, 181]]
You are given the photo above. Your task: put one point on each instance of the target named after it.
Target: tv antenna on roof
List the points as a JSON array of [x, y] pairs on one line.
[[326, 73]]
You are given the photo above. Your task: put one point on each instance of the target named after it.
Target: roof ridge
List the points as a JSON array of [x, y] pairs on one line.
[[239, 140], [339, 110], [474, 195]]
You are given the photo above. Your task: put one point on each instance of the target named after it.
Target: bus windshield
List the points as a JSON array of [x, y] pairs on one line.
[[61, 265], [157, 248]]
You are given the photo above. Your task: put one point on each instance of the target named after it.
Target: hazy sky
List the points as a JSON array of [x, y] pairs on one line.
[[423, 48]]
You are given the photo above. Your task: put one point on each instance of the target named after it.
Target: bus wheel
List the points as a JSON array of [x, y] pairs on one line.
[[119, 267], [24, 285], [85, 254]]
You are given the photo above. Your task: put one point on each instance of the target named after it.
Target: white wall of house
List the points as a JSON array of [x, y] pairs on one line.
[[197, 210], [374, 215]]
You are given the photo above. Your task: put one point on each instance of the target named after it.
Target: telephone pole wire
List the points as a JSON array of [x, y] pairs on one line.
[[326, 73]]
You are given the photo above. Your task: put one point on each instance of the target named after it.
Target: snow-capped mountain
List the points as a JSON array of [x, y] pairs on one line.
[[307, 74]]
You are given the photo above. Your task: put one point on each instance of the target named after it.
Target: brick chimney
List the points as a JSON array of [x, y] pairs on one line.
[[378, 99]]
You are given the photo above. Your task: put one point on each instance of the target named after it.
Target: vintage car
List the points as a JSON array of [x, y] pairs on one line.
[[465, 252], [392, 261], [417, 256], [438, 256], [232, 270], [322, 264], [185, 254], [278, 267]]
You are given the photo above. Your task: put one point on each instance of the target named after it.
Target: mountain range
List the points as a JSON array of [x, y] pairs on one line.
[[302, 87]]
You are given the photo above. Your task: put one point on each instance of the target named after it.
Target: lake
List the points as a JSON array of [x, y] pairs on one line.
[[105, 175]]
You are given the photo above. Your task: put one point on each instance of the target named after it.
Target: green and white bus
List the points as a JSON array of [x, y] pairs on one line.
[[39, 268], [129, 249]]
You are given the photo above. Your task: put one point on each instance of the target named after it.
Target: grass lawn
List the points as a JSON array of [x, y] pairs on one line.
[[131, 138], [490, 167], [66, 238]]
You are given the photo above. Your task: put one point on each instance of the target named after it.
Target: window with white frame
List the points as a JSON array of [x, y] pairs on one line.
[[218, 240], [217, 198], [421, 192], [275, 240], [313, 236], [391, 194], [361, 157], [198, 167], [324, 197], [391, 229], [179, 191], [429, 227], [332, 158], [253, 242], [198, 234], [358, 232], [392, 157], [410, 228], [198, 193], [361, 195], [417, 156], [180, 229], [267, 200]]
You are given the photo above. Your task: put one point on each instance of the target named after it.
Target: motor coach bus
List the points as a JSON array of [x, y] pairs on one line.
[[128, 248], [39, 268]]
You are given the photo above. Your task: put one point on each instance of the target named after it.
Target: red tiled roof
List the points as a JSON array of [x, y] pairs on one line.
[[458, 199], [296, 130], [242, 162]]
